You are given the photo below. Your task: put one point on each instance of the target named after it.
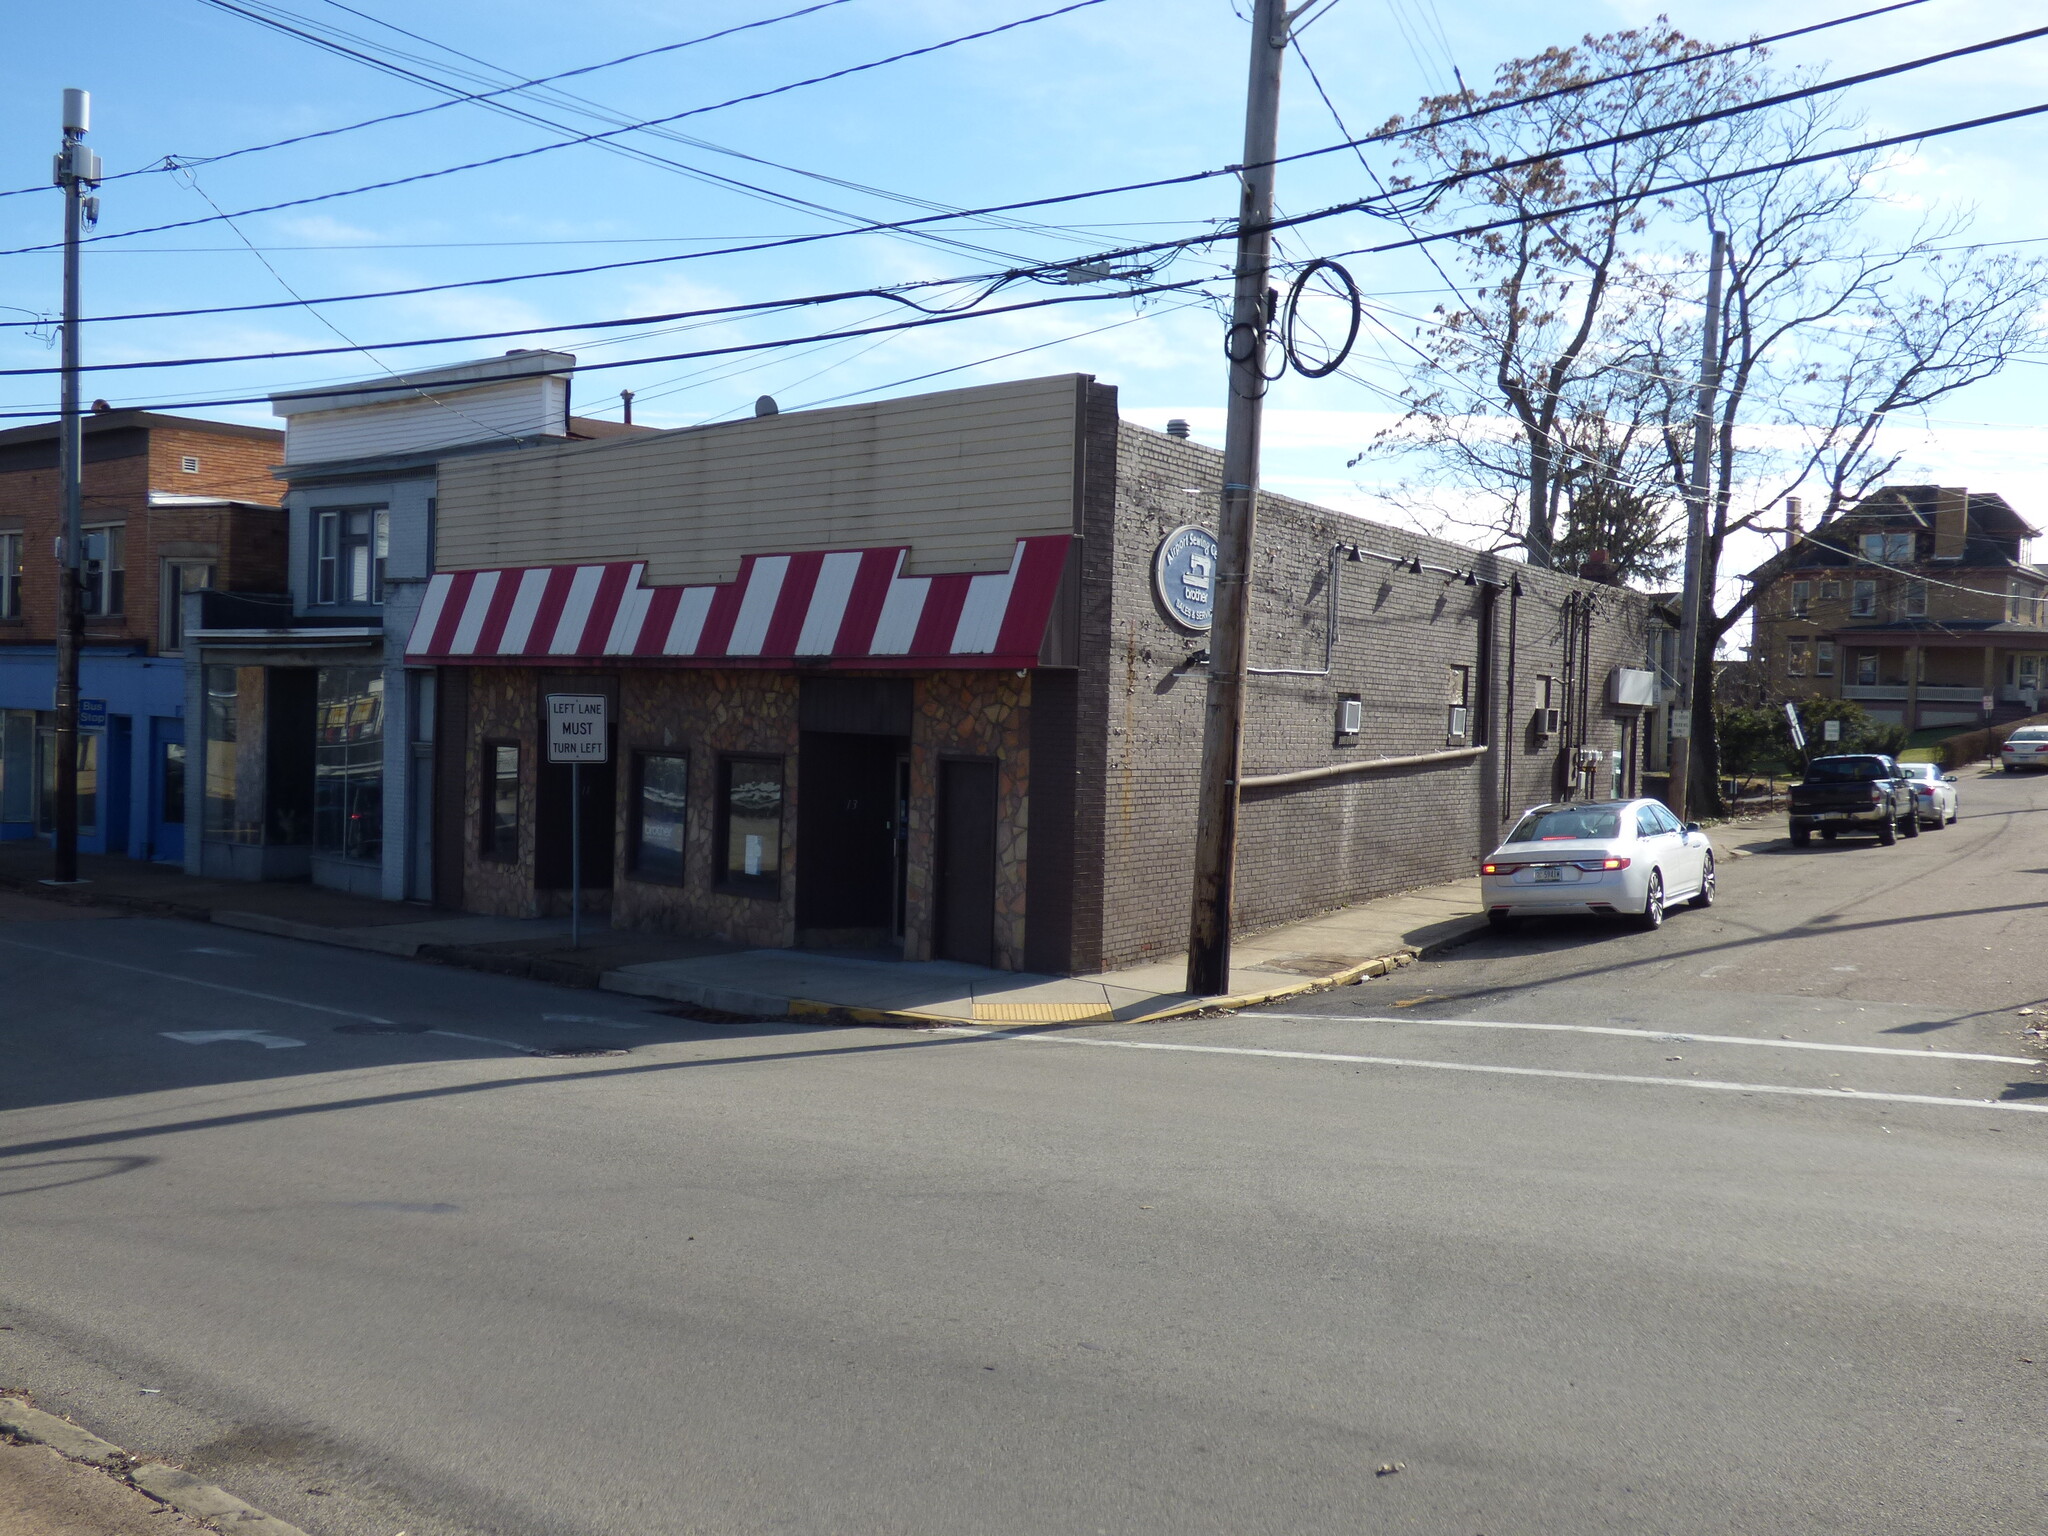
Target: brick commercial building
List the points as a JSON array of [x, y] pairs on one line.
[[1918, 603], [926, 675], [172, 505]]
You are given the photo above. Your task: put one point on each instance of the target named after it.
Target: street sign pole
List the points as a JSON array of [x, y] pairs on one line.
[[578, 729], [575, 855]]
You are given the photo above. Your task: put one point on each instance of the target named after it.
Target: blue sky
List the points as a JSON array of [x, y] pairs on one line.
[[1119, 91]]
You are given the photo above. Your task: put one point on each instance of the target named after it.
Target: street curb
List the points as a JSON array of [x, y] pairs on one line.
[[733, 1000], [187, 1494]]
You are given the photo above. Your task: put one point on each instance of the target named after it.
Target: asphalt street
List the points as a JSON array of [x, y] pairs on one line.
[[1732, 1227]]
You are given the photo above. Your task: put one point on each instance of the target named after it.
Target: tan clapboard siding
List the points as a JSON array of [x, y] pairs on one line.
[[958, 476]]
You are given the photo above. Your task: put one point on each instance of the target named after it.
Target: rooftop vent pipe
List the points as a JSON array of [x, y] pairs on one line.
[[766, 406], [1177, 428]]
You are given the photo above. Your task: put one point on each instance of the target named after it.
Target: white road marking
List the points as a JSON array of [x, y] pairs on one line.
[[239, 954], [101, 962], [260, 1037], [1707, 1083], [510, 1045], [1665, 1036]]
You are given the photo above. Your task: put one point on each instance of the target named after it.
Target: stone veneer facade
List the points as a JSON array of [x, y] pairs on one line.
[[706, 713]]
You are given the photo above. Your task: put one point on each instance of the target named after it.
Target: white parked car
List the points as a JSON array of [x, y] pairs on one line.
[[1935, 800], [2025, 748], [1611, 858]]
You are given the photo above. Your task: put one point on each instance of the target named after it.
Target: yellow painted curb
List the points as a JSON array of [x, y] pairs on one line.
[[807, 1008]]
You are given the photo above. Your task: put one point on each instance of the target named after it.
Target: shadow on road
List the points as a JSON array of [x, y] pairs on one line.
[[459, 1090]]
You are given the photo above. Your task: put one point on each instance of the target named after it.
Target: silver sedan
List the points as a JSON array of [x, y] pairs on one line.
[[1610, 858], [1935, 799]]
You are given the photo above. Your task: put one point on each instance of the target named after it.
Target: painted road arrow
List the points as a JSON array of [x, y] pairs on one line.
[[268, 1041]]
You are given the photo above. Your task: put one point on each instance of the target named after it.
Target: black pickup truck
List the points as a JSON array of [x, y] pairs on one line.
[[1862, 792]]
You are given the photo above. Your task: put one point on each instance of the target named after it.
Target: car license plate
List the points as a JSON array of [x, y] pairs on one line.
[[1549, 875], [1832, 815]]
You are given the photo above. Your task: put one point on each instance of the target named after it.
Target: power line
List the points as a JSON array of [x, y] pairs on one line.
[[673, 357], [393, 117], [1466, 232], [1357, 205], [590, 138], [757, 306], [276, 17], [1413, 240]]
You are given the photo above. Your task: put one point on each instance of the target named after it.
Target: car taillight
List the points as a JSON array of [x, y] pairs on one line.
[[1498, 869], [1596, 865], [1876, 795]]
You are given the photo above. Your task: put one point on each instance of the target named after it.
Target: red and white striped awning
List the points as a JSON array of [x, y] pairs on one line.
[[851, 607]]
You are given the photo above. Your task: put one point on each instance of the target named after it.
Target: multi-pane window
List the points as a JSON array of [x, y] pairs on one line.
[[1795, 656], [348, 763], [102, 570], [750, 825], [1887, 548], [349, 549], [1866, 669], [10, 575], [498, 836], [1802, 596], [2015, 605], [1830, 589], [180, 577], [660, 805], [1916, 599], [1863, 598], [1824, 659]]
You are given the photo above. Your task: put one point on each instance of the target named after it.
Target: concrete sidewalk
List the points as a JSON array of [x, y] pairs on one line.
[[1329, 950], [1324, 951]]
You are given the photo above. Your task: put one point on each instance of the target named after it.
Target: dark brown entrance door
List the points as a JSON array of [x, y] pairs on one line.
[[846, 839], [965, 922]]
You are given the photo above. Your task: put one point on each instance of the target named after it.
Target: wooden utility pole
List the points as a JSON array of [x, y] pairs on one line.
[[1223, 727], [1696, 505]]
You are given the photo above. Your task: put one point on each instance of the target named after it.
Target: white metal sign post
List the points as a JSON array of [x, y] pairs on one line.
[[577, 734]]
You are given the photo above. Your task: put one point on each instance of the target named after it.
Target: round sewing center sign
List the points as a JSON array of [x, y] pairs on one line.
[[1184, 575]]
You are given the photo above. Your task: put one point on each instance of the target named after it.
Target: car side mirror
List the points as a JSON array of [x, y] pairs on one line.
[[1948, 778], [1693, 826]]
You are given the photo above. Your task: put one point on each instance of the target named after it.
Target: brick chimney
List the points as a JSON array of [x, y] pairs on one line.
[[1951, 522]]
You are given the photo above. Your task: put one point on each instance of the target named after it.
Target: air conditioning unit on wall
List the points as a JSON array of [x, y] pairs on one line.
[[1546, 722]]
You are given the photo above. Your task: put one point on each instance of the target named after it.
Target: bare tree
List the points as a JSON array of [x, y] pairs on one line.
[[1529, 333], [1830, 332]]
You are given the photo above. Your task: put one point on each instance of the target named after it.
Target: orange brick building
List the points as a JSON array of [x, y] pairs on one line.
[[171, 505]]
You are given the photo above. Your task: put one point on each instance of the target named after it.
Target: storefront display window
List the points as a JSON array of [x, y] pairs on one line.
[[750, 825], [662, 797], [348, 763]]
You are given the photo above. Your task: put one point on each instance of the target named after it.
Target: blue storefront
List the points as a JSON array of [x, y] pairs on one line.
[[131, 779]]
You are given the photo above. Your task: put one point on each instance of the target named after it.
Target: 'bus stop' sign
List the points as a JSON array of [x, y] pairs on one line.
[[1184, 575], [576, 728]]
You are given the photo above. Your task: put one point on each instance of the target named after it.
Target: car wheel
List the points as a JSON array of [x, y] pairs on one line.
[[1502, 922], [1887, 832], [1955, 814], [1801, 836], [1653, 904], [1911, 825], [1705, 895]]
